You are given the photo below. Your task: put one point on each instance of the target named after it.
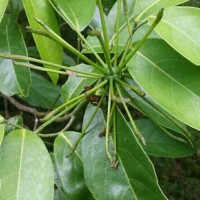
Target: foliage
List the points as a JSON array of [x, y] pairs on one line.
[[132, 84]]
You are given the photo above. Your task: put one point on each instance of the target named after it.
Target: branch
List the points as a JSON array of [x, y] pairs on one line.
[[33, 111], [23, 107]]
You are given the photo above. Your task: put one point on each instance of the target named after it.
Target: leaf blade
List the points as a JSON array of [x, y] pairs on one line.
[[49, 50], [173, 80], [179, 28], [159, 144], [42, 92], [72, 10], [3, 4], [103, 181], [13, 79], [22, 175], [138, 167], [147, 8], [70, 169]]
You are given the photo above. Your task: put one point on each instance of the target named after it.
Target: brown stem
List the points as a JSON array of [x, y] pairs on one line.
[[31, 110], [22, 107]]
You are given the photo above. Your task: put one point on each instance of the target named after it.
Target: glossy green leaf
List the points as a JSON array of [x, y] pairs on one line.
[[75, 85], [70, 169], [13, 123], [144, 9], [137, 166], [42, 92], [49, 50], [26, 170], [78, 13], [160, 144], [13, 79], [179, 27], [103, 181], [2, 132], [169, 79], [3, 6], [135, 176], [158, 115]]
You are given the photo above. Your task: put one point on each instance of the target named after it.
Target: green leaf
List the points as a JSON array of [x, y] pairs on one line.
[[135, 176], [103, 181], [2, 132], [158, 115], [42, 92], [78, 13], [160, 144], [12, 123], [144, 9], [3, 6], [137, 166], [169, 79], [179, 27], [75, 85], [49, 50], [13, 79], [70, 169], [26, 170]]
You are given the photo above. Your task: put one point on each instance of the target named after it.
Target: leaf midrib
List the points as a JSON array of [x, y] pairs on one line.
[[20, 164], [166, 74], [64, 137]]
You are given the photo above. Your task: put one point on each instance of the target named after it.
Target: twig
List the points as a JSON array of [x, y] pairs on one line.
[[141, 42], [69, 124], [108, 119], [81, 96], [35, 123], [23, 107], [105, 36], [73, 115], [135, 128], [6, 108], [33, 111]]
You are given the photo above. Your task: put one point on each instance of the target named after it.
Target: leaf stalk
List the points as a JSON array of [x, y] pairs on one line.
[[141, 42]]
